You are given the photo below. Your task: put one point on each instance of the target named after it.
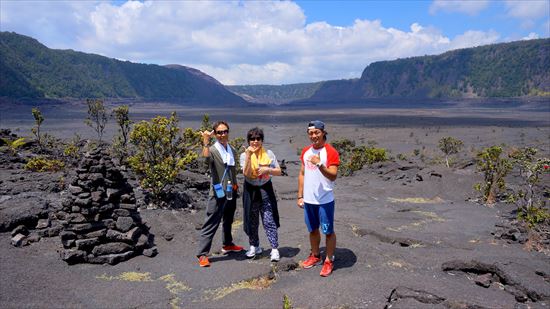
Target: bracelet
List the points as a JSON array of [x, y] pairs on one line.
[[299, 197]]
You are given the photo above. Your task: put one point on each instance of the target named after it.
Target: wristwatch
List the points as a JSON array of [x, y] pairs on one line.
[[318, 164]]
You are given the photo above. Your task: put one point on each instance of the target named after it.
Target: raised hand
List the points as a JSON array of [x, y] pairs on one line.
[[206, 135], [251, 149]]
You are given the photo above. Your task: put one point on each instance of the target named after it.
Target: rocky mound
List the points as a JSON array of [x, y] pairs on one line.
[[100, 219]]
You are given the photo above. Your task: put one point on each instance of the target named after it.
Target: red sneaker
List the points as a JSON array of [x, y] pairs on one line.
[[311, 261], [327, 268], [203, 261], [232, 248]]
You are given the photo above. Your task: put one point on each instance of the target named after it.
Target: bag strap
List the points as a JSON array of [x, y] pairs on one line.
[[224, 173]]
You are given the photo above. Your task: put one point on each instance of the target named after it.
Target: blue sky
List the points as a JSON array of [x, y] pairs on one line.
[[401, 14], [274, 42]]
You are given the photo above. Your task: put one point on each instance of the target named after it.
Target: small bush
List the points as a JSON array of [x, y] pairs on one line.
[[287, 302], [160, 154], [353, 158], [41, 164], [533, 215], [449, 146], [13, 145], [238, 144], [71, 151], [38, 119], [119, 146], [494, 169], [97, 116], [529, 197], [401, 157]]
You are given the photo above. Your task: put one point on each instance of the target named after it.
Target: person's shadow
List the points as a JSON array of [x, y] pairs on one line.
[[288, 252], [343, 257], [218, 256]]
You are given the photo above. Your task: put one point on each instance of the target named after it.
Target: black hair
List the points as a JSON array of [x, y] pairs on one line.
[[255, 132], [217, 124]]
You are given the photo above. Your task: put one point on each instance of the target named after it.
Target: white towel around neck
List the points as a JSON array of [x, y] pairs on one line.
[[227, 156]]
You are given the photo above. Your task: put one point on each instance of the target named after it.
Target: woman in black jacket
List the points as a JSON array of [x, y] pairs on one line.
[[259, 165]]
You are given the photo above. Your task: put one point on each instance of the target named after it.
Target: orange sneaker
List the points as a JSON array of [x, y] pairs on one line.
[[311, 261], [327, 268], [203, 261], [232, 248]]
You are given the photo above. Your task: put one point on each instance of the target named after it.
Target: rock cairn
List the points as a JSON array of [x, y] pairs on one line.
[[100, 218]]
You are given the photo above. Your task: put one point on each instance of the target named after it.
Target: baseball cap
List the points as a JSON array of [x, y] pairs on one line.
[[316, 124]]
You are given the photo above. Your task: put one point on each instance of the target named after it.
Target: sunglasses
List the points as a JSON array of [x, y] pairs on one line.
[[255, 139], [221, 132]]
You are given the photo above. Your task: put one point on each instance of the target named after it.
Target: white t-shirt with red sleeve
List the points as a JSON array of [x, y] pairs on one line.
[[318, 188]]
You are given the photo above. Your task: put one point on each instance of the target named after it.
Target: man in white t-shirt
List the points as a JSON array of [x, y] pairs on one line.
[[315, 184]]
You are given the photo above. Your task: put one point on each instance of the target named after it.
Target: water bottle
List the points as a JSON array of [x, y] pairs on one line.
[[229, 191]]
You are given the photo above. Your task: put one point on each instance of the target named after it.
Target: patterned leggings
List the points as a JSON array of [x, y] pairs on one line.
[[263, 207]]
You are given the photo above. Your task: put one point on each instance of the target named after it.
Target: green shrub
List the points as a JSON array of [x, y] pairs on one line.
[[238, 145], [160, 154], [38, 119], [71, 151], [41, 164], [449, 146], [353, 158], [529, 197], [494, 169], [533, 215], [119, 146], [287, 302], [97, 116], [13, 145]]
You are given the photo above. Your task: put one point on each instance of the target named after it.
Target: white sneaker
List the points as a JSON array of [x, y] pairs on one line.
[[275, 256], [253, 251]]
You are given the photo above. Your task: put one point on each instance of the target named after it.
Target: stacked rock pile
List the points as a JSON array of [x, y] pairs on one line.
[[100, 218]]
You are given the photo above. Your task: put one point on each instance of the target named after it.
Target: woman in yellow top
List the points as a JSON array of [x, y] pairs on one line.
[[259, 164]]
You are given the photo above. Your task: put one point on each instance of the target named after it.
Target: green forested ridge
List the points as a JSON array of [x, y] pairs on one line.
[[30, 69], [501, 70], [505, 70]]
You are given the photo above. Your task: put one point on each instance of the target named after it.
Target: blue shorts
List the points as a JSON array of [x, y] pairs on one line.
[[319, 215]]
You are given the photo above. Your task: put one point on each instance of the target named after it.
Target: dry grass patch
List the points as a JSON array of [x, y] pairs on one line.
[[128, 276], [429, 215], [397, 264], [172, 285], [259, 283], [417, 200], [357, 231]]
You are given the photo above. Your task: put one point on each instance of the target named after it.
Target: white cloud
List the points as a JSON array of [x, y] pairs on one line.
[[531, 36], [245, 42], [528, 9], [474, 38], [459, 6]]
